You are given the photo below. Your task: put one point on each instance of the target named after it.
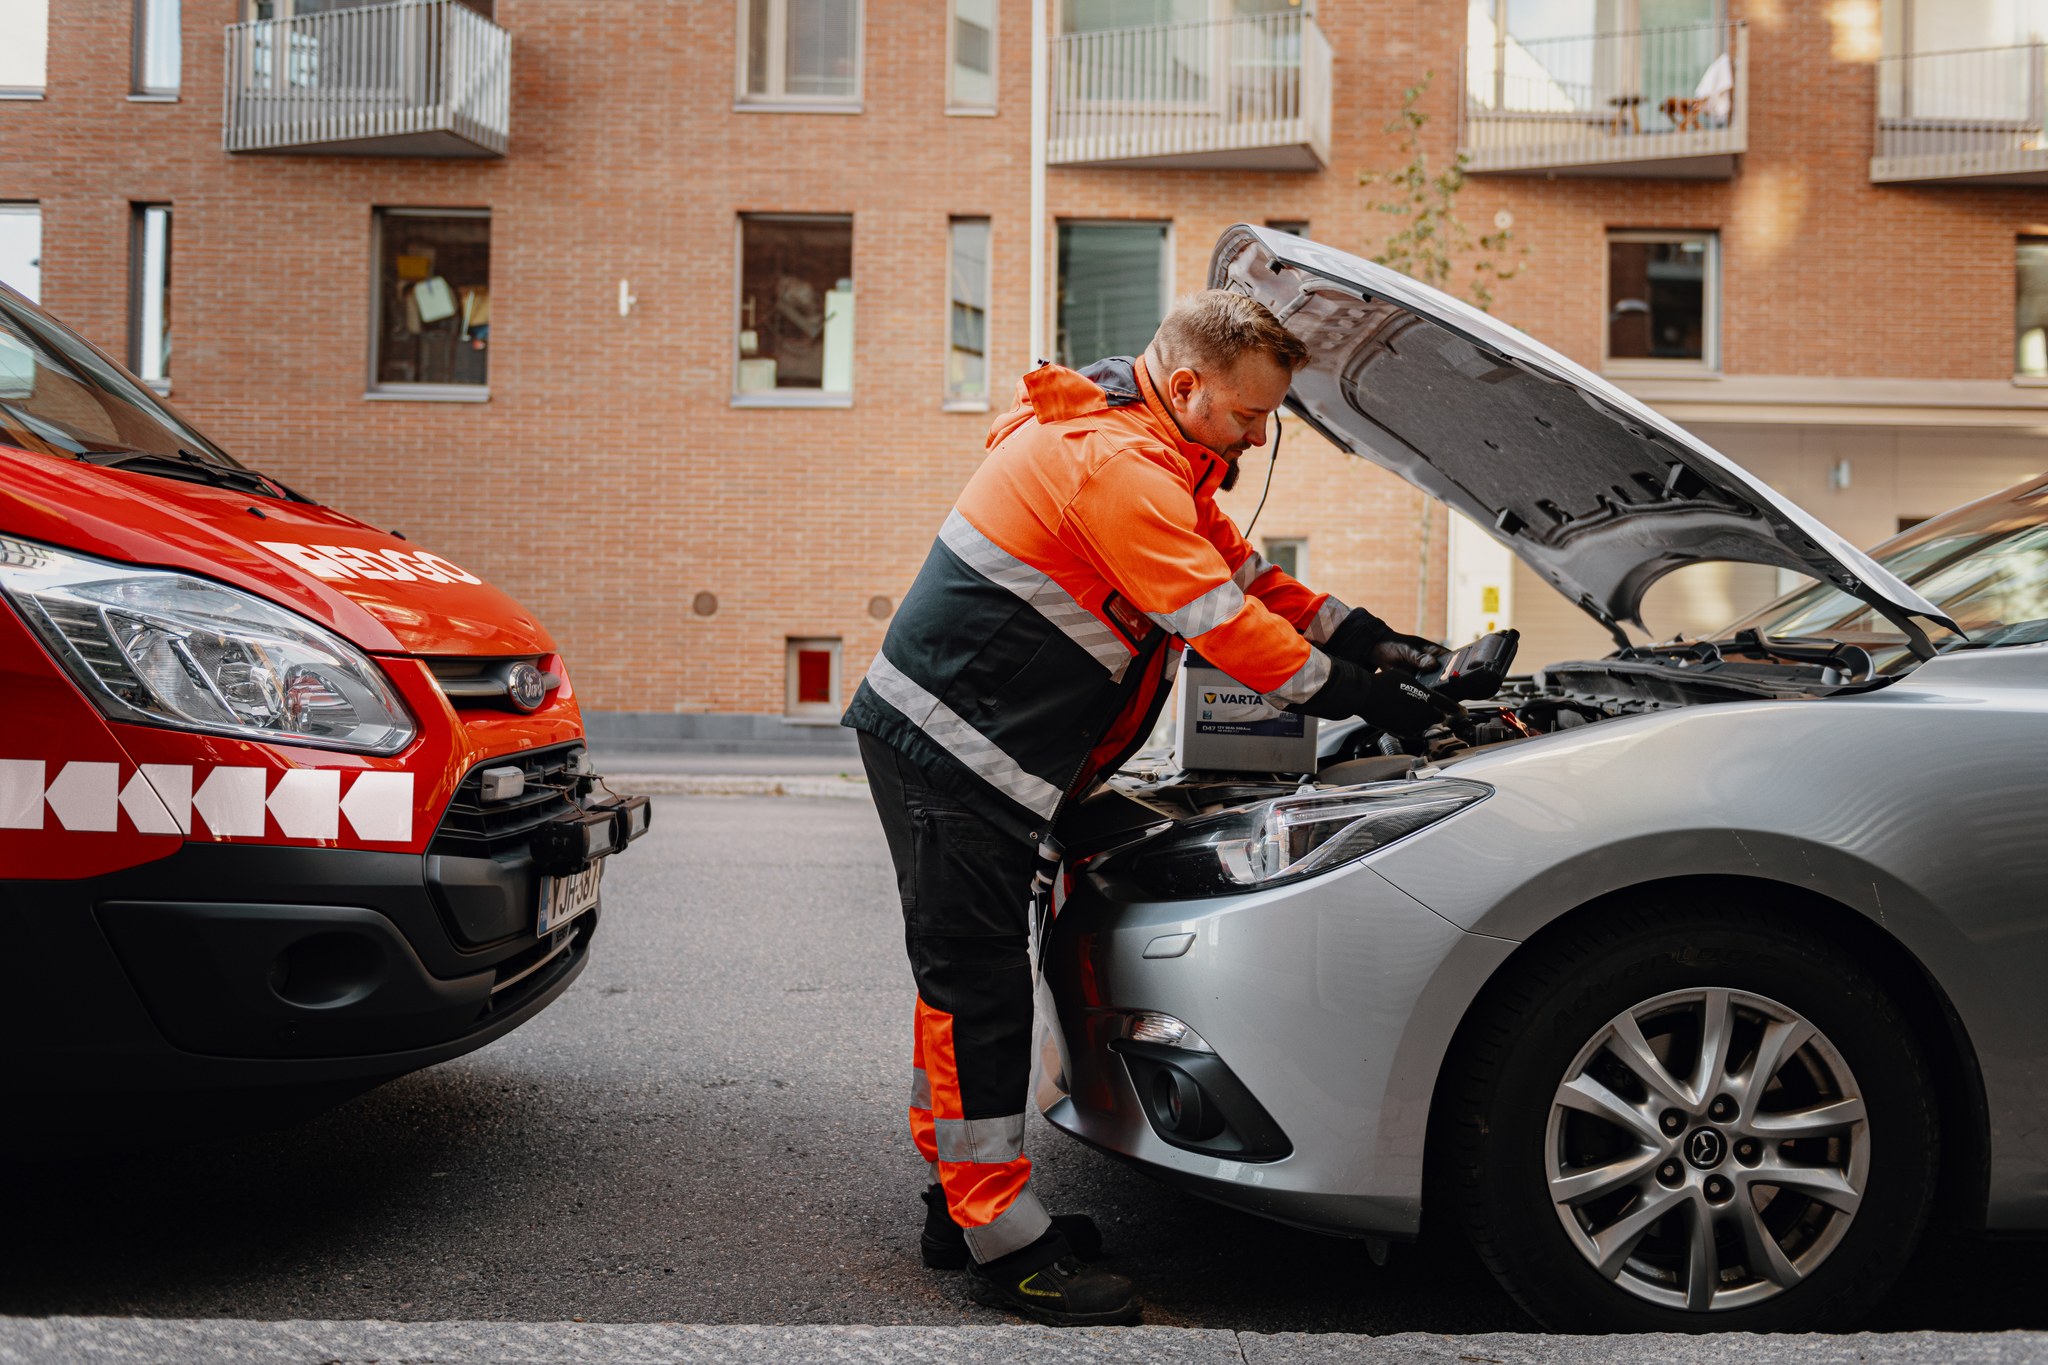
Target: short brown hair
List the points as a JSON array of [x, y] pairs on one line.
[[1216, 328]]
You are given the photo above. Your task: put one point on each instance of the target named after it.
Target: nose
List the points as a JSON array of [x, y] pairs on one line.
[[1256, 434]]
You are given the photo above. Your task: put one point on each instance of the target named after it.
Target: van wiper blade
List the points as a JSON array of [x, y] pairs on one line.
[[186, 465]]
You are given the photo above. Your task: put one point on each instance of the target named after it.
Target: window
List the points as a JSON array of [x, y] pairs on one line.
[[149, 296], [800, 52], [795, 309], [156, 47], [1663, 297], [21, 249], [1289, 555], [971, 72], [433, 322], [811, 689], [967, 313], [1112, 289], [2030, 310], [1297, 226], [24, 48]]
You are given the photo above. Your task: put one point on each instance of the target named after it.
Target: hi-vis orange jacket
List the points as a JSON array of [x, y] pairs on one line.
[[1034, 650]]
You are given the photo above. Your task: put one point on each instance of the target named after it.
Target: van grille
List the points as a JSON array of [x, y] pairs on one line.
[[473, 829]]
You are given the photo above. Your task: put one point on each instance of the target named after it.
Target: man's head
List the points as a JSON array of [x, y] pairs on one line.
[[1222, 364]]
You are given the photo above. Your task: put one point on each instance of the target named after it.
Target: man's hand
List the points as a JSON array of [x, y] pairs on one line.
[[1369, 642], [1387, 698]]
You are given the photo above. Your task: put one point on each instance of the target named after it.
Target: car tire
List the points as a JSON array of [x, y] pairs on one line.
[[1598, 1218]]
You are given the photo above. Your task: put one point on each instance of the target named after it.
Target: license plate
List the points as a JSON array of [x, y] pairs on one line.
[[564, 898]]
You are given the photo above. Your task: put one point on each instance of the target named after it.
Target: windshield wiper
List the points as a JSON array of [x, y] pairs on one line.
[[186, 465]]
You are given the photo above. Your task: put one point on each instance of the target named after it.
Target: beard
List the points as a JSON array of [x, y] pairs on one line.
[[1230, 476]]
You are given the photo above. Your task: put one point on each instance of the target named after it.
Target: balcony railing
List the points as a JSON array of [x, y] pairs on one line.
[[415, 78], [1973, 116], [1250, 93], [1670, 102]]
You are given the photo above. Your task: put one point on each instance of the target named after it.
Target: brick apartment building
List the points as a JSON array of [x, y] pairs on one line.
[[683, 321]]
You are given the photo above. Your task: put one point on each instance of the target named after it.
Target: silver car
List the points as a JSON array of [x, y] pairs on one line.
[[1690, 983]]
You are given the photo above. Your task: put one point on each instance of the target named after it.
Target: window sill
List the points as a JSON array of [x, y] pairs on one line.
[[1658, 369], [964, 405], [430, 393], [160, 387], [153, 99], [20, 94], [970, 112], [2030, 381], [765, 106], [792, 398]]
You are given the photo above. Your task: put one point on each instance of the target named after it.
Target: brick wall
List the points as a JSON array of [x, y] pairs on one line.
[[608, 480]]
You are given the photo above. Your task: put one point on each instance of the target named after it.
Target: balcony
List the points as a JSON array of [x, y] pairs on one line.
[[1962, 118], [1250, 94], [417, 78], [1670, 103]]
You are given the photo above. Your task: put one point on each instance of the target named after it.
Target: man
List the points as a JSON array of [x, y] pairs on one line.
[[1030, 657]]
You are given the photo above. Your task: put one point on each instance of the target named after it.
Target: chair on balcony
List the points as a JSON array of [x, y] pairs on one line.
[[1712, 101]]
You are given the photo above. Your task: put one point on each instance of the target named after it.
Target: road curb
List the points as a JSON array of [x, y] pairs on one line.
[[171, 1341]]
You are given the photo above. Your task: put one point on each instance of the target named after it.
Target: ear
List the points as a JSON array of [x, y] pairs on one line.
[[1181, 384]]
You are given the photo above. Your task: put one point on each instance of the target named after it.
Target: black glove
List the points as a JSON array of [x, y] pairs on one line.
[[1389, 699], [1369, 642]]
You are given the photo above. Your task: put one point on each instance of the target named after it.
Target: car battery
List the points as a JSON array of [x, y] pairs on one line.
[[1227, 727]]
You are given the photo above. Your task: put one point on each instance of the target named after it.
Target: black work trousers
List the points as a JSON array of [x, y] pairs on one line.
[[966, 892]]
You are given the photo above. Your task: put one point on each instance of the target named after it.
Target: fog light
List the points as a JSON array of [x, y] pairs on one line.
[[502, 784], [1149, 1027], [1176, 1102]]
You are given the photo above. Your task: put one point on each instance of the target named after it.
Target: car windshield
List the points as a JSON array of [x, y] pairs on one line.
[[1985, 565], [60, 396]]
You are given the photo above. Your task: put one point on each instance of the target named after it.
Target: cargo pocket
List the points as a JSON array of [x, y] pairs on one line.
[[970, 881]]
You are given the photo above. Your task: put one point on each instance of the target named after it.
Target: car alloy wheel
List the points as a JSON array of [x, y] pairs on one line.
[[1682, 1115], [1707, 1149]]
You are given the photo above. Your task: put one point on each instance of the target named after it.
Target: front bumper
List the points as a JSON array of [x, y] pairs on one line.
[[1330, 1002], [246, 967]]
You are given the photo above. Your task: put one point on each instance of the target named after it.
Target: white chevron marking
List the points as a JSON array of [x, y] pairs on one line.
[[145, 806], [307, 803], [173, 783], [87, 796], [379, 807], [231, 802], [21, 793]]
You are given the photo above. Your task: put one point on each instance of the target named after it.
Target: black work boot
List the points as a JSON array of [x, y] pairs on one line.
[[1060, 1291], [945, 1245]]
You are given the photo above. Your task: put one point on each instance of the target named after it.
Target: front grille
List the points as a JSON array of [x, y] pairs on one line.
[[471, 682], [474, 828]]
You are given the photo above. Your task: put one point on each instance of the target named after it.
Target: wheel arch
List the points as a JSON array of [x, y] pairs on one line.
[[1963, 1194]]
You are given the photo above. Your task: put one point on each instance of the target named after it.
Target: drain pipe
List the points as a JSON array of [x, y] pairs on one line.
[[1040, 128]]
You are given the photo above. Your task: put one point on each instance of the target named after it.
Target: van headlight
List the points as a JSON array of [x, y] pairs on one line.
[[1284, 840], [163, 648]]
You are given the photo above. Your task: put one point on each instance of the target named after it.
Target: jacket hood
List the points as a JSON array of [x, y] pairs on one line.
[[380, 592], [1590, 488]]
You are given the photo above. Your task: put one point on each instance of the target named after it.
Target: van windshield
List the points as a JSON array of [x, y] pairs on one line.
[[60, 396]]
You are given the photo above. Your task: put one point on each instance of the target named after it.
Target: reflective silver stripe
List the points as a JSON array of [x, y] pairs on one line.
[[1172, 667], [920, 1089], [1249, 571], [1051, 601], [1015, 1228], [1205, 613], [984, 1142], [1307, 680], [944, 727], [1324, 623]]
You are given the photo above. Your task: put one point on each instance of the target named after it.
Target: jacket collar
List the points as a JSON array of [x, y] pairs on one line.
[[1205, 467]]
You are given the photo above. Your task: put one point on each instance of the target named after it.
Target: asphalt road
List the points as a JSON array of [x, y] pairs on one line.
[[708, 1128]]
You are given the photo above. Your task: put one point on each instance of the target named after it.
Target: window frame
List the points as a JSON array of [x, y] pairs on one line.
[[955, 108], [949, 401], [138, 282], [2020, 378], [1708, 366], [781, 101], [791, 397], [138, 87], [29, 208], [1166, 263], [1299, 573], [373, 389], [811, 712]]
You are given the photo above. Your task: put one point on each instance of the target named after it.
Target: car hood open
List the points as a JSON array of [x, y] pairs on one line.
[[1591, 489]]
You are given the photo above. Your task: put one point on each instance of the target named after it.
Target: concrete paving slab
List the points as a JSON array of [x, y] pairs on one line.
[[166, 1341]]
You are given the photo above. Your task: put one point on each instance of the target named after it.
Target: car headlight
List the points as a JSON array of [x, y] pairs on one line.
[[1284, 840], [164, 648]]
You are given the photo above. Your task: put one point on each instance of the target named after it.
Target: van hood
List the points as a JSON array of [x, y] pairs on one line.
[[377, 590], [1591, 489]]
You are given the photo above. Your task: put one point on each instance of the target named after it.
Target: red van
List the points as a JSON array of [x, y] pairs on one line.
[[287, 803]]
